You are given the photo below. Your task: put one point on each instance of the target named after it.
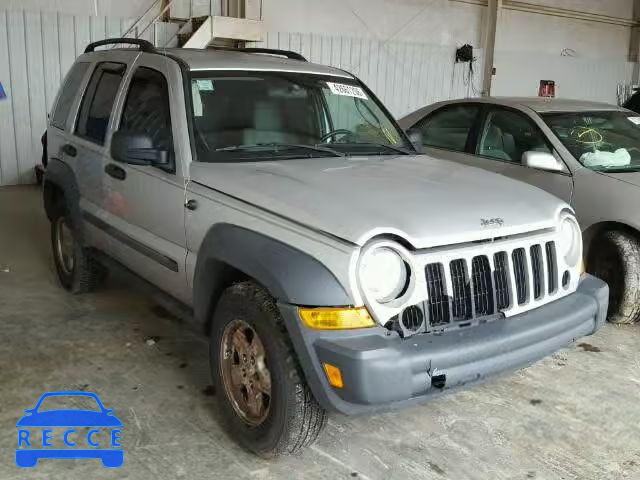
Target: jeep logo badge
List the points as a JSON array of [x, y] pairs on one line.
[[487, 222]]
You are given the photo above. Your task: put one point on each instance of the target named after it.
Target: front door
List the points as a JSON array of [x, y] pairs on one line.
[[146, 203], [505, 135]]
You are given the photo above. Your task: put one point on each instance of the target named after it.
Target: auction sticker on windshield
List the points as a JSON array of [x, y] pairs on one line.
[[635, 120], [347, 90]]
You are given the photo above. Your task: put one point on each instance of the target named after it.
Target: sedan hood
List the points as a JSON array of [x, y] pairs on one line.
[[632, 178], [428, 202]]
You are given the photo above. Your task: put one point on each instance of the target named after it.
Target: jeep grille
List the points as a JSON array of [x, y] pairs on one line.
[[486, 285]]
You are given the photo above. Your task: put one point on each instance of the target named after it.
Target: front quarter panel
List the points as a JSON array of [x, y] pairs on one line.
[[297, 265], [600, 200]]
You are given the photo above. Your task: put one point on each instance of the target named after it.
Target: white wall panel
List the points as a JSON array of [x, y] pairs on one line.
[[575, 77], [36, 51], [404, 75]]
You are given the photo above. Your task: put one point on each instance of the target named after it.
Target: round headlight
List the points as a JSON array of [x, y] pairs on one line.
[[570, 240], [383, 274]]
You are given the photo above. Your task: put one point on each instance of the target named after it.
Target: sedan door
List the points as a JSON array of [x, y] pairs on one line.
[[450, 131], [505, 135]]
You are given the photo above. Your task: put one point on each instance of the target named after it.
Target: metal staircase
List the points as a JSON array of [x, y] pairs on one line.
[[198, 24]]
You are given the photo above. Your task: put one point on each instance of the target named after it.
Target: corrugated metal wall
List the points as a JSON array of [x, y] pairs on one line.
[[36, 51], [404, 75]]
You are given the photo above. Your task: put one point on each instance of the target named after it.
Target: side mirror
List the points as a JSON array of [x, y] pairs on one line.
[[415, 137], [137, 149], [542, 161]]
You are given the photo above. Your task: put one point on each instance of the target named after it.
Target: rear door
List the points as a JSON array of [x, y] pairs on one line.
[[87, 147], [504, 136], [449, 132]]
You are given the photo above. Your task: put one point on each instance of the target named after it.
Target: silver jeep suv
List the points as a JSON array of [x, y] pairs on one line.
[[334, 268]]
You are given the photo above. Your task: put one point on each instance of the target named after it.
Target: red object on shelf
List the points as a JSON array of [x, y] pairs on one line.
[[547, 89]]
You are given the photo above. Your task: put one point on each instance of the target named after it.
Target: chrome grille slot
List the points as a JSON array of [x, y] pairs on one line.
[[482, 286], [501, 280], [520, 272], [552, 267], [461, 292], [438, 303], [537, 270]]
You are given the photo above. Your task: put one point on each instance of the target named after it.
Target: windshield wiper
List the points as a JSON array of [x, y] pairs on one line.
[[617, 170], [276, 146], [384, 145]]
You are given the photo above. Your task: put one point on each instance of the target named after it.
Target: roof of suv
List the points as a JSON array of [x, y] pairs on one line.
[[212, 59]]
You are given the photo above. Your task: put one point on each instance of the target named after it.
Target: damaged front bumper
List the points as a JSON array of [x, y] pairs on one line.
[[382, 371]]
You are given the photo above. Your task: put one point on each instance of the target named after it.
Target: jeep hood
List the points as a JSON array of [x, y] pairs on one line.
[[427, 201]]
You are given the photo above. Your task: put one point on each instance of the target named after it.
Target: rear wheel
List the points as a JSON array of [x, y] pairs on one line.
[[615, 258], [265, 403], [77, 270]]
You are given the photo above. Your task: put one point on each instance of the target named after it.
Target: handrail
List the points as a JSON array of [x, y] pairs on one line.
[[162, 12], [140, 18]]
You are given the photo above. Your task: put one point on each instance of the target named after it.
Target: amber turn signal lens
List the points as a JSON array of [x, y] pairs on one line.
[[336, 318], [334, 375]]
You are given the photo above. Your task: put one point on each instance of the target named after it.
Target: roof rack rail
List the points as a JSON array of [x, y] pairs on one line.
[[145, 46], [268, 51]]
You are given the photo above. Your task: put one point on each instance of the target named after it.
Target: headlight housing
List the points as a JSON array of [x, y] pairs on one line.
[[383, 273], [570, 240]]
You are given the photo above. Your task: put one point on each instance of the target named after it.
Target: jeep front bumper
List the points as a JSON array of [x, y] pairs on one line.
[[382, 371]]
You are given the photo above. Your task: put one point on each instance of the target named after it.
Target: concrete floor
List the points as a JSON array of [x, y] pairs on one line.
[[572, 416]]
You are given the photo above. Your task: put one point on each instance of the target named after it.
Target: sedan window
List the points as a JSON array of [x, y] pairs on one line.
[[449, 127], [507, 135]]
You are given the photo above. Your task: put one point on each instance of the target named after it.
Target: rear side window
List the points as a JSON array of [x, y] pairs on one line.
[[146, 109], [98, 100], [68, 93], [449, 127]]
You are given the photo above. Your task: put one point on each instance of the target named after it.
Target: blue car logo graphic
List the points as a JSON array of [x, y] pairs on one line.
[[29, 452]]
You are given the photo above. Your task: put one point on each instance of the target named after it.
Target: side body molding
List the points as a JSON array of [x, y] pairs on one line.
[[290, 275]]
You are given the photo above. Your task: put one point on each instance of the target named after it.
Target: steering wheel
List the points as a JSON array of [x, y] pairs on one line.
[[333, 133]]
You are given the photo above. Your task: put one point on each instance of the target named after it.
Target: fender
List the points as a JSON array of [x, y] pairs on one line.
[[290, 275], [60, 175]]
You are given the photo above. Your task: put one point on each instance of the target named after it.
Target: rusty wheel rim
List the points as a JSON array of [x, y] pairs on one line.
[[64, 245], [245, 375]]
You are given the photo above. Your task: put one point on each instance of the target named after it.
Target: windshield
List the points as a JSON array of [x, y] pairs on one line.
[[604, 141], [250, 116]]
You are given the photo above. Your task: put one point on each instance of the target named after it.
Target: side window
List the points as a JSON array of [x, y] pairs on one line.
[[449, 127], [68, 93], [98, 100], [146, 109], [507, 134]]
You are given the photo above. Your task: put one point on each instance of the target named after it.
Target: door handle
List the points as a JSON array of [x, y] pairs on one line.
[[115, 171], [70, 150], [191, 205]]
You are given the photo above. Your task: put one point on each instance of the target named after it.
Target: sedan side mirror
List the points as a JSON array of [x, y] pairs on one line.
[[137, 149], [415, 137], [542, 161]]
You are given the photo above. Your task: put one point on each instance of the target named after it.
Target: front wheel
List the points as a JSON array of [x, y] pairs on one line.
[[77, 270], [265, 403], [615, 258]]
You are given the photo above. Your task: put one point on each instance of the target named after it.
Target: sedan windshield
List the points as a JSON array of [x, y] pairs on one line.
[[252, 116], [604, 141]]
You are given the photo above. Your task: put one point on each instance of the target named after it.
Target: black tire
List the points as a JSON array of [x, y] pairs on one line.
[[87, 273], [294, 419], [615, 258]]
